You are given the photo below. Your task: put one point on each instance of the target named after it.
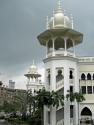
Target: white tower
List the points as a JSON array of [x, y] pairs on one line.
[[61, 65], [33, 82]]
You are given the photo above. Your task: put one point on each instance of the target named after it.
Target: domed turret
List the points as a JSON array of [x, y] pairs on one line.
[[59, 19], [33, 81], [33, 71], [60, 38]]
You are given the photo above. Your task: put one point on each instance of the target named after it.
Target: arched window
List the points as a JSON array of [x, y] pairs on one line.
[[59, 76], [71, 74], [86, 111], [59, 44], [88, 76], [83, 77], [86, 116]]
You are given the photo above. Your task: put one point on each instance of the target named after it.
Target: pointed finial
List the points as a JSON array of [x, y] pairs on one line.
[[59, 6], [33, 62], [47, 23], [72, 23], [53, 18], [64, 12], [53, 13]]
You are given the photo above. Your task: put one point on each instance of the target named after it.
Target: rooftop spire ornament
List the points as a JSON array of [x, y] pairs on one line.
[[47, 23], [33, 62], [72, 23], [59, 6]]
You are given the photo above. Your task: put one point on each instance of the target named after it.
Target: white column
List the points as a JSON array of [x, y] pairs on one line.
[[76, 89], [66, 102], [65, 40], [45, 116], [92, 83], [73, 47], [53, 41], [53, 87], [53, 77], [86, 86], [53, 116], [46, 49]]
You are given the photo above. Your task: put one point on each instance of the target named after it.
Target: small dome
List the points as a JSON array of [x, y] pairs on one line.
[[51, 22], [59, 20], [67, 22], [32, 72], [33, 69]]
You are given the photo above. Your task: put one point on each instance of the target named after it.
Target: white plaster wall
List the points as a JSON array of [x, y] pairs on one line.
[[67, 64]]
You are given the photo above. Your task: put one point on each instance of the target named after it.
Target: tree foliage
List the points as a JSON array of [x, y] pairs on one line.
[[79, 97]]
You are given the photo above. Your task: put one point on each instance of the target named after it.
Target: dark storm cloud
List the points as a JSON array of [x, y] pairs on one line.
[[22, 20]]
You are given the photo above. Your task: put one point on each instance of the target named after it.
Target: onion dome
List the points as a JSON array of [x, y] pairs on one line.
[[32, 72], [59, 19]]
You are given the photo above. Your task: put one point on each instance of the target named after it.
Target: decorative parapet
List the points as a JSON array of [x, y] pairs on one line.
[[86, 59]]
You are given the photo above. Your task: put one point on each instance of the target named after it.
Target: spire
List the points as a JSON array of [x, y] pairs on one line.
[[47, 23], [33, 62], [53, 18], [72, 22], [59, 6]]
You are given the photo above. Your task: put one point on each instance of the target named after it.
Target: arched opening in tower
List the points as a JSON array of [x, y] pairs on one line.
[[59, 76], [69, 45], [59, 44], [86, 116]]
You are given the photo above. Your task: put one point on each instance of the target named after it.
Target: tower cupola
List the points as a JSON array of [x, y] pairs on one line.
[[59, 19], [60, 38], [33, 81], [32, 72]]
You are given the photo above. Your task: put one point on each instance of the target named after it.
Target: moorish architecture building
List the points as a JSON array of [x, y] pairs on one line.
[[65, 72]]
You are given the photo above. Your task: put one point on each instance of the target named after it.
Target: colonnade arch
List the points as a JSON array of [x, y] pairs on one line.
[[60, 43], [86, 112], [87, 76], [86, 116]]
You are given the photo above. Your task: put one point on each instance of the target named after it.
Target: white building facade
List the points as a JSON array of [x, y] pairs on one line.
[[65, 72]]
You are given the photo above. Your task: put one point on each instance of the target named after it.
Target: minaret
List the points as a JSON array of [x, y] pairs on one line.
[[33, 82], [61, 64]]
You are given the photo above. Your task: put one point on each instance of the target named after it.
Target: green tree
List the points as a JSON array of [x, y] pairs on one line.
[[78, 96], [47, 98], [31, 102]]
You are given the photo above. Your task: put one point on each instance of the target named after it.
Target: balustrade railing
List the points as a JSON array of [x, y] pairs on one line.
[[61, 122], [62, 53], [59, 84]]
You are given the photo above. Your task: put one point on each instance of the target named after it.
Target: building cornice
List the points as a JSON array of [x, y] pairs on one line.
[[60, 58]]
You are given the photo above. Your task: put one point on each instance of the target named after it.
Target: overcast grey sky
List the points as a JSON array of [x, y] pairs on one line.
[[22, 20]]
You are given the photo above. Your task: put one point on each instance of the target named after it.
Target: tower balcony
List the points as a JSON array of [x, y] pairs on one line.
[[60, 53]]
